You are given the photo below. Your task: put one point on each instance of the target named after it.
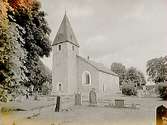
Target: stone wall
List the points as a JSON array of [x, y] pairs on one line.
[[82, 67], [108, 84]]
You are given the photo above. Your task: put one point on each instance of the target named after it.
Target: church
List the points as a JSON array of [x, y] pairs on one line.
[[72, 73]]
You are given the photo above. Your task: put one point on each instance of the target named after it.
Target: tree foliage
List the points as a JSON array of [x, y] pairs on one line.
[[11, 65], [129, 89], [130, 75], [162, 89], [133, 80], [4, 50], [142, 78], [135, 76], [3, 15], [119, 69], [157, 69], [24, 39], [17, 57], [21, 4], [37, 44], [157, 72]]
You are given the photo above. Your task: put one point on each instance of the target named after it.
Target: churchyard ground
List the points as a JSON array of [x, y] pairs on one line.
[[84, 114]]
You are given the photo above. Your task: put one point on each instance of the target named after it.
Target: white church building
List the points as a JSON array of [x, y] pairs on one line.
[[72, 73]]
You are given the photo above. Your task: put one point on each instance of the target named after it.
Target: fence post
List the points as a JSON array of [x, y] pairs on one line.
[[57, 109]]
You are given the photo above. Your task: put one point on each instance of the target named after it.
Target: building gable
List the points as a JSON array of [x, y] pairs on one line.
[[98, 66]]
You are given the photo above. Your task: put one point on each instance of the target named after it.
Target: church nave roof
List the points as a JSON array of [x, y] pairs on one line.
[[98, 66]]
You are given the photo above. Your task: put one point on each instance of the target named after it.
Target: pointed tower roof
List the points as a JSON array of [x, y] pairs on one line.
[[65, 33]]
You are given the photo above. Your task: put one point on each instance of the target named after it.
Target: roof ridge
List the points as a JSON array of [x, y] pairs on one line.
[[103, 69]]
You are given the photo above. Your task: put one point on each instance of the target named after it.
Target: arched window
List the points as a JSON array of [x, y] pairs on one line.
[[86, 78]]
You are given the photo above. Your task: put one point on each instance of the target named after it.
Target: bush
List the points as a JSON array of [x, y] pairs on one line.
[[129, 89], [162, 89], [3, 95], [46, 88], [6, 109]]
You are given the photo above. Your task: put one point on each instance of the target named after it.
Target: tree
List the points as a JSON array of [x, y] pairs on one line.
[[162, 89], [21, 4], [5, 50], [119, 69], [16, 60], [142, 78], [133, 80], [11, 56], [24, 39], [135, 76], [157, 72], [129, 89], [36, 41], [157, 69], [3, 15]]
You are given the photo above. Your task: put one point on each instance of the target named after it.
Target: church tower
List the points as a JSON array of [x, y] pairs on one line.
[[64, 68]]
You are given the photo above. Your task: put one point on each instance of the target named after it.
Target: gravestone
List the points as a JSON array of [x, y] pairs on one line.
[[77, 99], [119, 103], [92, 97], [57, 109]]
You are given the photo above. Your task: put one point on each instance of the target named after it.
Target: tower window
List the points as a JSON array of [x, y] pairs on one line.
[[59, 47]]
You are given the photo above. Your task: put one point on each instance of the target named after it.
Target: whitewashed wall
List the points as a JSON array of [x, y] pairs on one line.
[[64, 68], [82, 67], [108, 84]]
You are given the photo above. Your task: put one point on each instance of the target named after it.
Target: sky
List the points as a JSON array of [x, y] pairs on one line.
[[127, 31]]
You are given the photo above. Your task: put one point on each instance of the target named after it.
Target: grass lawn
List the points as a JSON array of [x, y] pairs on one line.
[[86, 115]]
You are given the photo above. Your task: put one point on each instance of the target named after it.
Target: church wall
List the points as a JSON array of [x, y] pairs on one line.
[[72, 68], [65, 68], [60, 68], [84, 89], [108, 84]]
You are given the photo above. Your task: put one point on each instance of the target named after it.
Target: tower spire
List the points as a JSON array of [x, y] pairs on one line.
[[65, 33], [65, 12]]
